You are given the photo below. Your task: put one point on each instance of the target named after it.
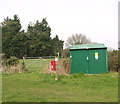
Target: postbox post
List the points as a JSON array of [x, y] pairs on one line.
[[56, 66]]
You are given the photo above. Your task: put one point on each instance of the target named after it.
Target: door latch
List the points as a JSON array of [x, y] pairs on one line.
[[87, 59]]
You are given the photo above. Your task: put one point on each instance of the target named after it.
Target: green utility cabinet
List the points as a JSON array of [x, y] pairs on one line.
[[88, 59]]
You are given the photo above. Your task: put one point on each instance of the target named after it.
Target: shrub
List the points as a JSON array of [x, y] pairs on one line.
[[66, 64], [65, 53], [113, 60], [13, 61], [10, 65]]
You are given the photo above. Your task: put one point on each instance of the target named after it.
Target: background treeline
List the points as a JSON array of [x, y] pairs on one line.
[[35, 42]]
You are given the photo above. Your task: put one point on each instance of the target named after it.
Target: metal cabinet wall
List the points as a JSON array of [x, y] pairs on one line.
[[88, 59]]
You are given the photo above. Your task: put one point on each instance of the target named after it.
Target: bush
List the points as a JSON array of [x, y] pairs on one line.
[[113, 64], [65, 53], [13, 61], [10, 65], [66, 64], [10, 61]]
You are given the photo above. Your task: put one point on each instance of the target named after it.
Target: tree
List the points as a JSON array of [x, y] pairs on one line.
[[57, 45], [65, 53], [20, 45], [10, 27], [77, 39], [39, 39], [35, 42]]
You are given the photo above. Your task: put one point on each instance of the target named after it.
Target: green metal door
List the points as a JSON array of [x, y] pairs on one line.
[[97, 61], [78, 61]]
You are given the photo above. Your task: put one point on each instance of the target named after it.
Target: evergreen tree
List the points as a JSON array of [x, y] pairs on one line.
[[14, 41], [39, 39], [10, 27], [58, 45], [35, 42]]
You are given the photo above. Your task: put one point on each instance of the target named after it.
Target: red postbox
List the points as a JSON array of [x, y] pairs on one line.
[[53, 65]]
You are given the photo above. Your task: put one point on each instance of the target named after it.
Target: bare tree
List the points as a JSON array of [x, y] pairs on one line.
[[77, 39]]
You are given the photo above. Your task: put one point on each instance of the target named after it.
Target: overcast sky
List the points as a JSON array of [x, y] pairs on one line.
[[97, 19]]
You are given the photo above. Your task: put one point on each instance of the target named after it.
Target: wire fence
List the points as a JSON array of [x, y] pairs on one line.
[[38, 63], [43, 64]]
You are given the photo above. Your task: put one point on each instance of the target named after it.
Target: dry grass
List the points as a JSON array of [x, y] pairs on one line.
[[62, 68], [10, 69]]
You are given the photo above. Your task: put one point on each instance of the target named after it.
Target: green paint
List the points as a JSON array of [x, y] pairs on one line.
[[79, 61], [88, 59]]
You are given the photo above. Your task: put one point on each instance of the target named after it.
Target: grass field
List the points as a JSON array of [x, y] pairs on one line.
[[33, 86]]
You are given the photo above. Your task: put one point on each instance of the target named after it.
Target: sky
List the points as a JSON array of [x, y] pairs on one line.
[[97, 19]]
